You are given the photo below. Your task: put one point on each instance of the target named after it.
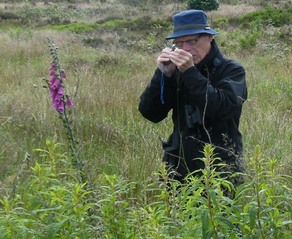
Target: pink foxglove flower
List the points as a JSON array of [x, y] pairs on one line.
[[61, 107], [63, 74], [69, 102], [52, 70], [57, 99], [54, 83], [60, 101]]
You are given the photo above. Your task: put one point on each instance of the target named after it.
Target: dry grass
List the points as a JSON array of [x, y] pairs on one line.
[[111, 9], [110, 82], [232, 11]]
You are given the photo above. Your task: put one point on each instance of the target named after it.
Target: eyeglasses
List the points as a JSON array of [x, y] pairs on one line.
[[190, 42]]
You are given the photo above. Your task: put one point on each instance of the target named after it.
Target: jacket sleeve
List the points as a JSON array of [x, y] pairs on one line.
[[222, 97], [150, 104]]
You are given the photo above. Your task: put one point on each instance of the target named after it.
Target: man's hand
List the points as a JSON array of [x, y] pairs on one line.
[[182, 59], [164, 63]]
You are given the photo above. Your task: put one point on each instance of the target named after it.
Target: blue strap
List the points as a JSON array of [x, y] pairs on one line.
[[162, 85]]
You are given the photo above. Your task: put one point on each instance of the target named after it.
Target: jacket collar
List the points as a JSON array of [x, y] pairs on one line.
[[210, 58]]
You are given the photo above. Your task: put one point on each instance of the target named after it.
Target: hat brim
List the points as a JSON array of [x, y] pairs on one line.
[[187, 32]]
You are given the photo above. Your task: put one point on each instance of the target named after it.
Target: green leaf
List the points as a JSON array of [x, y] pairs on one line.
[[252, 216]]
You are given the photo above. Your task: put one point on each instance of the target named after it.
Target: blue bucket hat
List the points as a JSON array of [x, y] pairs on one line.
[[190, 22]]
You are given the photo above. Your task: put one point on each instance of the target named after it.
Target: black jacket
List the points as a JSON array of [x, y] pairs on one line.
[[206, 103]]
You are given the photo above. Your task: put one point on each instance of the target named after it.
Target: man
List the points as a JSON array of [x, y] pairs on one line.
[[205, 92]]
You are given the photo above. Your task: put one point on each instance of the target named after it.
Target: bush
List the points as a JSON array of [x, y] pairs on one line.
[[206, 5], [48, 202], [270, 16]]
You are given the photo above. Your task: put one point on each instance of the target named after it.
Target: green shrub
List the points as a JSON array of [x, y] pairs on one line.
[[76, 27], [269, 16], [206, 5], [277, 17], [249, 40], [8, 16], [48, 202]]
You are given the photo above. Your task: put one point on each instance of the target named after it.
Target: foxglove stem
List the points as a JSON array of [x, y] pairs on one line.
[[60, 101]]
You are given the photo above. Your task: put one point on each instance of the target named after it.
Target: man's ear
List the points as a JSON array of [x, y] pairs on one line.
[[210, 38]]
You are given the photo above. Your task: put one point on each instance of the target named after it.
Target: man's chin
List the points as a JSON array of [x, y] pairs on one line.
[[196, 60]]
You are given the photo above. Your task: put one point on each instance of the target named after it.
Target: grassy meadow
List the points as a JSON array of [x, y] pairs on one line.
[[108, 51]]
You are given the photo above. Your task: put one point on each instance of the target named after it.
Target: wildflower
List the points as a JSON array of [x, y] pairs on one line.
[[52, 70], [60, 107], [60, 101], [54, 83], [63, 74], [56, 86], [69, 102]]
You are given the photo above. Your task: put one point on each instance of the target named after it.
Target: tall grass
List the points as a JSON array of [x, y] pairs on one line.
[[267, 113], [121, 150], [105, 87]]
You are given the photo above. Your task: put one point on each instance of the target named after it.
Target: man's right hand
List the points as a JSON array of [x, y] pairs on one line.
[[163, 62]]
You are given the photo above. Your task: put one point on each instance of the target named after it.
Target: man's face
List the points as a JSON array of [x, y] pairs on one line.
[[198, 45]]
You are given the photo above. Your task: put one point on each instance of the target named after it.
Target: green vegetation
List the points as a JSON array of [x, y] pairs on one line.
[[109, 61], [48, 202], [114, 24], [203, 5], [267, 17]]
